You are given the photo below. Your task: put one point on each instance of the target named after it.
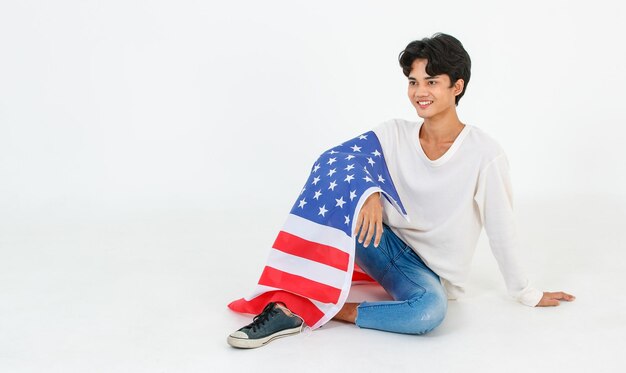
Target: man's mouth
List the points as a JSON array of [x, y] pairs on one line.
[[424, 104]]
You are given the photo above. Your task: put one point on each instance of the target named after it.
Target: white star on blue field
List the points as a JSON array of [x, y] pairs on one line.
[[339, 176]]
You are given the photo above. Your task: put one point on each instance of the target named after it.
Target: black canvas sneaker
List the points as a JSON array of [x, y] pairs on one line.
[[270, 324]]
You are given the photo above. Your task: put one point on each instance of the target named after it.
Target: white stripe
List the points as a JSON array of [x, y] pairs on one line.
[[260, 290], [309, 269], [319, 233], [322, 306]]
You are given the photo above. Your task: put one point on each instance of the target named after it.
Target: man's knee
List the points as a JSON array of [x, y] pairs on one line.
[[428, 313]]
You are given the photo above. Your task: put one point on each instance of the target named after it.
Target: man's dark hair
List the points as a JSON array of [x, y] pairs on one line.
[[445, 55]]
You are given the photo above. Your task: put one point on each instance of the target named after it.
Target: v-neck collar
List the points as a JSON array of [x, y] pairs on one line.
[[448, 154]]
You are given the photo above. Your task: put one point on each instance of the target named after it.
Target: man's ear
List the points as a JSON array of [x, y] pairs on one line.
[[458, 86]]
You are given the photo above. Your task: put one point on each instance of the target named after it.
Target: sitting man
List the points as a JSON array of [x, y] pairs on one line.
[[453, 179]]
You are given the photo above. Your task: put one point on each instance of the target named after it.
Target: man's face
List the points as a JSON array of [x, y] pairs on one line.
[[431, 96]]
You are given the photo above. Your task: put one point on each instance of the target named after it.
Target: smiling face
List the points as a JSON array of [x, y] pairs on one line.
[[432, 96]]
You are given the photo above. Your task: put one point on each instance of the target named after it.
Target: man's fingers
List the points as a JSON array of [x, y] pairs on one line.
[[567, 297], [362, 233], [379, 233], [561, 295], [360, 226], [551, 299], [370, 233], [364, 229], [548, 302], [368, 221], [359, 221]]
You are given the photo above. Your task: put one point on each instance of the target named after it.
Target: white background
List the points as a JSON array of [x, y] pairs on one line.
[[149, 151]]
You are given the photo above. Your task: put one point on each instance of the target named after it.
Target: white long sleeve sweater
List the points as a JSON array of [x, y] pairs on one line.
[[449, 200]]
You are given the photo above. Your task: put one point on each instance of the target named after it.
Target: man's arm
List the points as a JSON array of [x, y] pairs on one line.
[[494, 197]]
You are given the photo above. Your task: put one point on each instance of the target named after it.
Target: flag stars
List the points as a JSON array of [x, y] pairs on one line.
[[302, 203], [337, 180], [340, 202], [317, 194], [323, 211]]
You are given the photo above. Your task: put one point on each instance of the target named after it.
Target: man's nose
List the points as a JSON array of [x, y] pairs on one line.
[[420, 91]]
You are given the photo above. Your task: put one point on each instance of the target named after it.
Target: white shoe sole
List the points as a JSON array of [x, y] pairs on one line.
[[254, 343]]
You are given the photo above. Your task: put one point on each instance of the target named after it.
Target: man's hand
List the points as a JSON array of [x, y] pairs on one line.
[[370, 220], [552, 299]]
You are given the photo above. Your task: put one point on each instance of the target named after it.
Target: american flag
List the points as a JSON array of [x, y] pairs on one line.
[[311, 265]]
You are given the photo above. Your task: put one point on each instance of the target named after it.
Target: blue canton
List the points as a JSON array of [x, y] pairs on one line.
[[338, 179]]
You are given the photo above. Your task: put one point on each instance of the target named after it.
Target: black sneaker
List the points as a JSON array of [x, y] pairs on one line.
[[270, 324]]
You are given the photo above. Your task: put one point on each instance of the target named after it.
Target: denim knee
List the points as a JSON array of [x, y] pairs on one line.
[[429, 310]]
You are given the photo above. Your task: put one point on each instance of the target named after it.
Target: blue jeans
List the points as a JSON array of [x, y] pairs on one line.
[[420, 302]]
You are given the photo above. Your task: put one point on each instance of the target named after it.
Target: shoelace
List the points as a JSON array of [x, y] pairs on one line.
[[261, 318]]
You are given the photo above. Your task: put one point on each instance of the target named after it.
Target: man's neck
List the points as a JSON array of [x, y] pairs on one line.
[[441, 129]]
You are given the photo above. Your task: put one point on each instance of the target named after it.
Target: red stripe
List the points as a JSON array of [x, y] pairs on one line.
[[317, 252], [361, 276], [296, 304], [299, 285]]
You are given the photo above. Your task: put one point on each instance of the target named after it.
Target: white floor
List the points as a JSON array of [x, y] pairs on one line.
[[146, 291]]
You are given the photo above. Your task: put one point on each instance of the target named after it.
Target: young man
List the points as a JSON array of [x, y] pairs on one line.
[[452, 179]]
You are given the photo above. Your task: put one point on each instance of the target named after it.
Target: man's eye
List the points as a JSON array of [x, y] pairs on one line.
[[432, 82], [411, 82]]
